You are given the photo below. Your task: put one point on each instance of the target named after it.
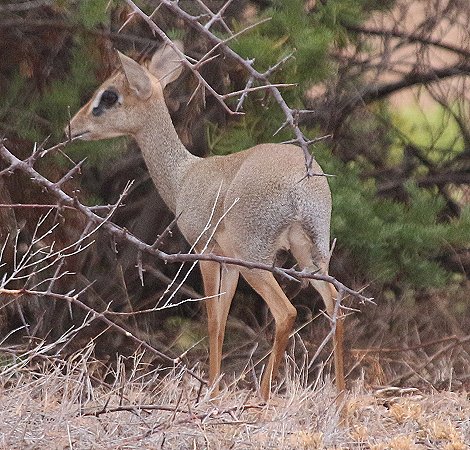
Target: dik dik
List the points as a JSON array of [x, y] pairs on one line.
[[269, 204]]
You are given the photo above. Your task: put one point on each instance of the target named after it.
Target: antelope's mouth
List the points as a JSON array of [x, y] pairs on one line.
[[73, 136]]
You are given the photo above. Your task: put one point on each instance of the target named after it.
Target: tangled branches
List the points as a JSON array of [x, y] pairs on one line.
[[42, 256]]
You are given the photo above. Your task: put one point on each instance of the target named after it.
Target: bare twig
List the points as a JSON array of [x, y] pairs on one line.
[[409, 37], [333, 319], [443, 351], [102, 316]]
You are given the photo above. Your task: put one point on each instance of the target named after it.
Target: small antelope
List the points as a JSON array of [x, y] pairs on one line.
[[261, 198]]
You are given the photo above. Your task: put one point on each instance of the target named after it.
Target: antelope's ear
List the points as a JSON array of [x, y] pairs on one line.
[[136, 76], [166, 64]]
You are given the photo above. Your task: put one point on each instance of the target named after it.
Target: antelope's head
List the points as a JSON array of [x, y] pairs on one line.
[[120, 103]]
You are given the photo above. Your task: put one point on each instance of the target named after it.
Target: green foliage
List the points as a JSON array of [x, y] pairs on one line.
[[390, 241], [65, 94], [286, 32], [309, 36], [262, 127], [341, 12], [92, 12], [239, 138]]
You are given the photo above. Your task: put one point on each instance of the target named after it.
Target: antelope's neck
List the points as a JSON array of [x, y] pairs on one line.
[[166, 157]]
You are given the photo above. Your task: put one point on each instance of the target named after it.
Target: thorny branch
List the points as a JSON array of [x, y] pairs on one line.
[[253, 74], [124, 235], [50, 257]]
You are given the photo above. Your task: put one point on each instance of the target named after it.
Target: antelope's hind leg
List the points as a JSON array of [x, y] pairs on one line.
[[329, 295], [220, 284], [304, 249]]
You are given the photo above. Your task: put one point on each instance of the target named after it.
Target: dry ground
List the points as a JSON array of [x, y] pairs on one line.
[[60, 405]]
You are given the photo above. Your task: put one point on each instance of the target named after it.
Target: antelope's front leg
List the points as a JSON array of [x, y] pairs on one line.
[[219, 285]]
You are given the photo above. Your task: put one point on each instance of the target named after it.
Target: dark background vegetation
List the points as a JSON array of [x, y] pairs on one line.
[[388, 82]]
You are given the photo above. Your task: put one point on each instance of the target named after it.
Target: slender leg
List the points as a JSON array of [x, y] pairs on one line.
[[329, 295], [303, 248], [284, 315], [221, 283]]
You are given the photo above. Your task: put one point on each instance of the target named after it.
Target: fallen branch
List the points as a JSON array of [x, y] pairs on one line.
[[149, 407]]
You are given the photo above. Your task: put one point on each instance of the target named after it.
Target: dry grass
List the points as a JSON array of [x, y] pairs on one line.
[[66, 404]]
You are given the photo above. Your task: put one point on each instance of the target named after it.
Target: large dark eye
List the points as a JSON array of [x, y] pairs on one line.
[[108, 98]]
